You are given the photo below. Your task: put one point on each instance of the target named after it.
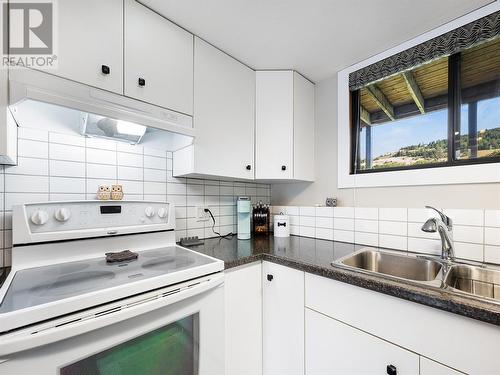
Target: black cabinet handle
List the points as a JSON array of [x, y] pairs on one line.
[[392, 370], [283, 167], [105, 69], [142, 82], [249, 167], [270, 277]]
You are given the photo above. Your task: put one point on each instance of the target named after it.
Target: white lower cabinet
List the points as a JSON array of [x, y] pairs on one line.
[[283, 320], [429, 367], [333, 348], [243, 291], [464, 344]]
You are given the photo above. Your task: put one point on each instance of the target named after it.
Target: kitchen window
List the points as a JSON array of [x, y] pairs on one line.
[[444, 111]]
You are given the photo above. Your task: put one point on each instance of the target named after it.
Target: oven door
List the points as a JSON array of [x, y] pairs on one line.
[[179, 331]]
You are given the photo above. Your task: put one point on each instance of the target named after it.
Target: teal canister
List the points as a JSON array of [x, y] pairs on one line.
[[244, 211]]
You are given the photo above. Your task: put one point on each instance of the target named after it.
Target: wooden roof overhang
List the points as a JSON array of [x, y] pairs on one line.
[[425, 88]]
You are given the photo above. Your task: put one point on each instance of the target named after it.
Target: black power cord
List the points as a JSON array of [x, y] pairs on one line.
[[229, 235]]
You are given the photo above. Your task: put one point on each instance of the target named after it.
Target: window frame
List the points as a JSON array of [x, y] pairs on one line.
[[445, 175], [454, 105]]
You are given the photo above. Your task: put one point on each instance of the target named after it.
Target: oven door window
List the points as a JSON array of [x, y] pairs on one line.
[[169, 350]]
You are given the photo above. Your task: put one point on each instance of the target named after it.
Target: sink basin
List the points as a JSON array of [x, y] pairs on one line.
[[400, 266], [473, 280]]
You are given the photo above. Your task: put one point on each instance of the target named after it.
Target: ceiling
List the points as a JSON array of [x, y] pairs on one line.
[[315, 37]]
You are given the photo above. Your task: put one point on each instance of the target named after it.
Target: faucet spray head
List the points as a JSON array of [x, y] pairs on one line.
[[430, 226]]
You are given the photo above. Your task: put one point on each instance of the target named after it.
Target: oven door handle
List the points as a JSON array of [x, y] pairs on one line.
[[78, 324]]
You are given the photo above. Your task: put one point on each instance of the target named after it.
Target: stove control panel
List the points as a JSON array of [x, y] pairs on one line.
[[87, 215]]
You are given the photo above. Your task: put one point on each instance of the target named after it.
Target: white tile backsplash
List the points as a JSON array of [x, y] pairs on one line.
[[26, 184], [130, 173], [397, 228], [66, 152], [476, 232], [29, 166], [60, 167], [463, 233], [424, 245], [67, 139], [98, 156], [366, 213], [307, 221], [66, 168], [324, 211], [370, 226], [324, 222], [101, 171], [130, 159], [307, 211], [492, 254], [469, 251], [34, 149], [67, 185], [466, 217], [343, 224], [492, 218], [393, 242], [344, 212], [393, 214], [492, 236]]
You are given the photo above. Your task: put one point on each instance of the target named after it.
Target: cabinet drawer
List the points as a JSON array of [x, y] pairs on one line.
[[336, 348]]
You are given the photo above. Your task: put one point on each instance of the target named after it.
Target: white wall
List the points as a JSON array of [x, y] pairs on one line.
[[450, 196]]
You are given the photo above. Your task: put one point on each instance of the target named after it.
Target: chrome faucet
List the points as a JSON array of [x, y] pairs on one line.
[[444, 225]]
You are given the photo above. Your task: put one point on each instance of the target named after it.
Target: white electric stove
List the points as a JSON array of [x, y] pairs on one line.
[[66, 310]]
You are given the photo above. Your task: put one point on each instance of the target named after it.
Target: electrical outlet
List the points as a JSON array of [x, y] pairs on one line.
[[201, 215]]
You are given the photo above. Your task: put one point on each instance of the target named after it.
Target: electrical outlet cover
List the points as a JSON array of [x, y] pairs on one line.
[[201, 215]]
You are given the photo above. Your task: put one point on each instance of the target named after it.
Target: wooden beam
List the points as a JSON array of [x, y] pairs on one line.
[[414, 90], [483, 91], [364, 115], [381, 100]]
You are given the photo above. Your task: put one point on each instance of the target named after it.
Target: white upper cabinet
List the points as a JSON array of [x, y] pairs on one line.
[[90, 43], [158, 59], [284, 126], [224, 117]]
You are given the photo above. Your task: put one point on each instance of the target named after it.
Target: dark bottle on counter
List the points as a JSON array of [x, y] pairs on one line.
[[261, 216]]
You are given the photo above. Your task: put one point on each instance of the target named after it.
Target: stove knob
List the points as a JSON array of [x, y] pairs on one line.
[[149, 211], [39, 217], [162, 213], [62, 214]]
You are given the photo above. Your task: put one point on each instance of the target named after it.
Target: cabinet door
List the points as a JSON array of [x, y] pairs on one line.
[[89, 39], [303, 130], [283, 320], [274, 125], [224, 114], [158, 59], [334, 348], [243, 289], [429, 367]]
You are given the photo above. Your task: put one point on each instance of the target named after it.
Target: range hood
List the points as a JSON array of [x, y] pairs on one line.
[[38, 99]]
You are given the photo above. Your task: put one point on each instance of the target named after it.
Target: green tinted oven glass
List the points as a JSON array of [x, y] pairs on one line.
[[169, 350]]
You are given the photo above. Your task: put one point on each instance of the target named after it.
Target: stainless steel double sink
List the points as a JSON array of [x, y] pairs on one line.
[[468, 279]]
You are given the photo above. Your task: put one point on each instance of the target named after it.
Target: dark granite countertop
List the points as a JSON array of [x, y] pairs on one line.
[[315, 256]]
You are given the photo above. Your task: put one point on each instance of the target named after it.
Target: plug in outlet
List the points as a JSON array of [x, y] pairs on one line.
[[201, 215]]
